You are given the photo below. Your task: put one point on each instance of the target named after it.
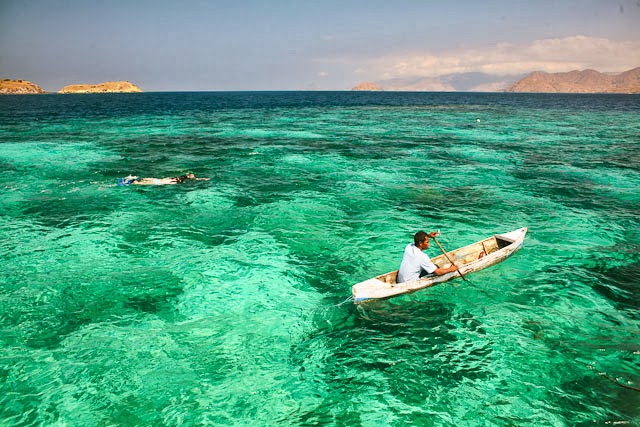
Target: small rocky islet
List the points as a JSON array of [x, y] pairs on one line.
[[9, 86], [19, 87]]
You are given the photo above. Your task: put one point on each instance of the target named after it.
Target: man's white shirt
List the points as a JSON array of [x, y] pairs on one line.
[[413, 262]]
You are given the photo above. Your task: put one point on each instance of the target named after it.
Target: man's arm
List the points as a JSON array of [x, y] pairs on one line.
[[441, 271]]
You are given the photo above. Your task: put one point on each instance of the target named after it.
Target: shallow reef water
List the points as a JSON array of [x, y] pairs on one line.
[[226, 302]]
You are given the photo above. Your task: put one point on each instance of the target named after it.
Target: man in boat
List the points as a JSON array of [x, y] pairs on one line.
[[415, 263], [158, 181]]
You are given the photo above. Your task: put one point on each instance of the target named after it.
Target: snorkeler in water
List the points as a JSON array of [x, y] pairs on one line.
[[128, 180]]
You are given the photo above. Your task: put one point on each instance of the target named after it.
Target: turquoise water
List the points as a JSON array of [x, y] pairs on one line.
[[226, 302]]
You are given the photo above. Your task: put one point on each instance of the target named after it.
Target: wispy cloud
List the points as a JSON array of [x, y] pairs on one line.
[[551, 55]]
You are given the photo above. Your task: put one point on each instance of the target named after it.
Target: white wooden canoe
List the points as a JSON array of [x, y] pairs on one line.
[[474, 257]]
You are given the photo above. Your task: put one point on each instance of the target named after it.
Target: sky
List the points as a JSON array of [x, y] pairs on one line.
[[228, 45]]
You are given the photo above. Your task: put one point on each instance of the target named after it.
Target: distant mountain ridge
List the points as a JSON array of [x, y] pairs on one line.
[[587, 81], [455, 82]]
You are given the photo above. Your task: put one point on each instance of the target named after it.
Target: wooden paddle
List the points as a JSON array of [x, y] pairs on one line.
[[445, 254]]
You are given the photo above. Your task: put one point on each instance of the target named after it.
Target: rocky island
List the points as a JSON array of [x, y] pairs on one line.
[[8, 86], [367, 86], [106, 87], [587, 81]]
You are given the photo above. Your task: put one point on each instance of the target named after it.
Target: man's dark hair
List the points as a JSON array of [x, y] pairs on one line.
[[419, 237]]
